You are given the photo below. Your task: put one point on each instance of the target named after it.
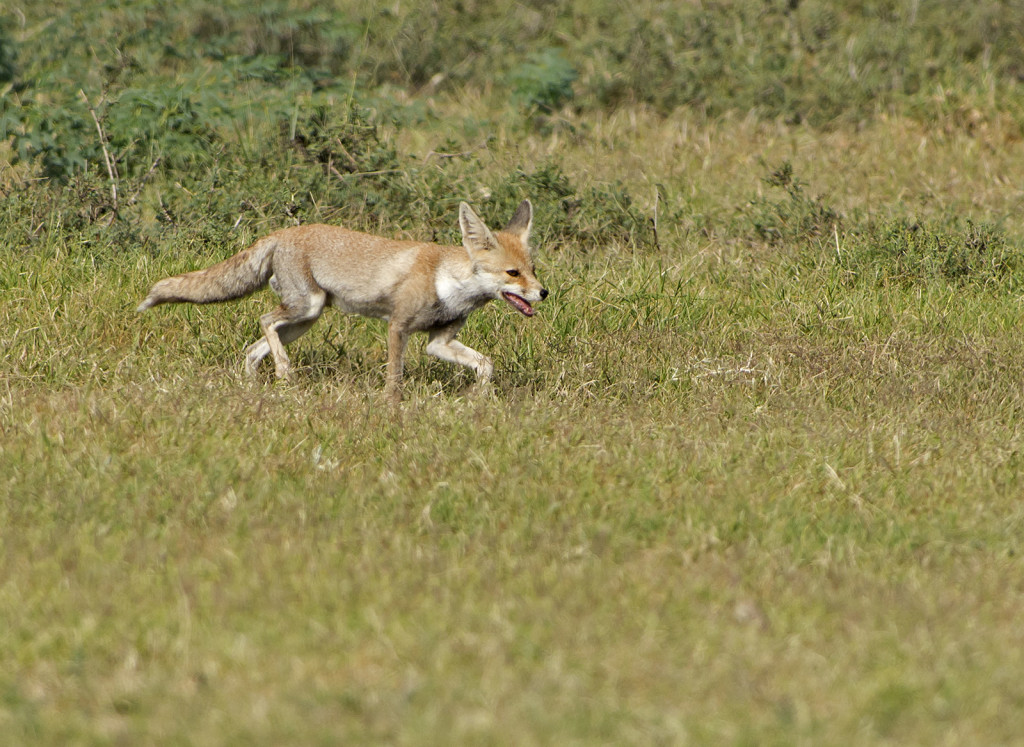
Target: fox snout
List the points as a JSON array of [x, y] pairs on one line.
[[520, 300]]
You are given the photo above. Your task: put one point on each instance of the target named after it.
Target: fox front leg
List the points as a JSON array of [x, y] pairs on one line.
[[398, 337], [442, 344]]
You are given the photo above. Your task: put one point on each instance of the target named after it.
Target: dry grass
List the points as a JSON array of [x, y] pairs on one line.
[[961, 164]]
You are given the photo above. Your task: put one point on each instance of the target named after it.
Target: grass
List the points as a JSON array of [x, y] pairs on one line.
[[717, 507], [754, 478]]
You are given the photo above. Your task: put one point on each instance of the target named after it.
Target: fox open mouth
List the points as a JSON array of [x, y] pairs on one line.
[[518, 303]]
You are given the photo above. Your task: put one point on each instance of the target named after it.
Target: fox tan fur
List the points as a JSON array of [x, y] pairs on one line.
[[415, 286]]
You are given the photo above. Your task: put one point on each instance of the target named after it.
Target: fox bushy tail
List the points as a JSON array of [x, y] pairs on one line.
[[233, 278]]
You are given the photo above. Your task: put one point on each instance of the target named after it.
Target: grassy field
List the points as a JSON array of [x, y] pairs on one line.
[[751, 475]]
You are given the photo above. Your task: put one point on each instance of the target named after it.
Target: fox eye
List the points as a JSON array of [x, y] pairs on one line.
[[513, 273]]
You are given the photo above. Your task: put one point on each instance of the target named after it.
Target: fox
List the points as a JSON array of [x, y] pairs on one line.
[[415, 286]]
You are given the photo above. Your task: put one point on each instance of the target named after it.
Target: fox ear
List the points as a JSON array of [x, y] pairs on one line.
[[476, 236], [522, 221]]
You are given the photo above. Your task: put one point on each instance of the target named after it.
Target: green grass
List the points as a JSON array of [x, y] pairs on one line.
[[750, 478], [714, 507]]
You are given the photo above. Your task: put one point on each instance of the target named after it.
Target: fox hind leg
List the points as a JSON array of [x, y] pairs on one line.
[[280, 326], [261, 348], [254, 354]]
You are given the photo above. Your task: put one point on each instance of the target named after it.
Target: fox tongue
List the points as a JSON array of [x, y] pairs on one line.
[[518, 303]]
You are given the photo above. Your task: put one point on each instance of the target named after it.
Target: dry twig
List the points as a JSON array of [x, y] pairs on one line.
[[111, 164]]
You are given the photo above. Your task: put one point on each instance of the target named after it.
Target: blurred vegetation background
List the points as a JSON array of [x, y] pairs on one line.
[[282, 106]]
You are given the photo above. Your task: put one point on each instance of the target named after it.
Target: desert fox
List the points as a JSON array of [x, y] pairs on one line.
[[415, 286]]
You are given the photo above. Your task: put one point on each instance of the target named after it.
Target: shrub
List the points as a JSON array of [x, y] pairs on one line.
[[544, 82], [794, 218], [904, 250]]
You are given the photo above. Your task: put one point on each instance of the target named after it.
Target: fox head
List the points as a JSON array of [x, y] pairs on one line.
[[503, 258]]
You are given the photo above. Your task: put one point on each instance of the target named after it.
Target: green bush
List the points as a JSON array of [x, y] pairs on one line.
[[961, 251], [8, 56], [180, 75], [898, 250], [544, 82], [796, 217]]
